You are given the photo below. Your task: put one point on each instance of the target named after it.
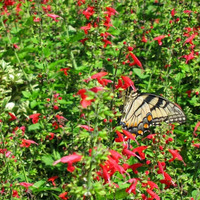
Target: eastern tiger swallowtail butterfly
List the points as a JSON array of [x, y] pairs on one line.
[[144, 110]]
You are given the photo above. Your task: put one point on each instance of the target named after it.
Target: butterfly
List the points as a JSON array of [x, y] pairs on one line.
[[143, 110]]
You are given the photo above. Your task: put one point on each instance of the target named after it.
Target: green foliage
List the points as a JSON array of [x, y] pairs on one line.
[[51, 107]]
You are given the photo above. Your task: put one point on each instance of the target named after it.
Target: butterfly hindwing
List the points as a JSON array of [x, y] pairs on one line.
[[143, 110]]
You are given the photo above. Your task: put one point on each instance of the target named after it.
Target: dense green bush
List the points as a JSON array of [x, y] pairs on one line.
[[64, 65]]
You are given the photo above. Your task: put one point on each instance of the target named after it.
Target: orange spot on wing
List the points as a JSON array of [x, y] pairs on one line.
[[146, 126], [140, 132], [135, 124], [134, 135], [149, 118]]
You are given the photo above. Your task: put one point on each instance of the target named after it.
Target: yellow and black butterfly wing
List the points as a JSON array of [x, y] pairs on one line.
[[143, 110]]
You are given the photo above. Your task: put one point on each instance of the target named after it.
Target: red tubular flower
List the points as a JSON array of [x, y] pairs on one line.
[[15, 194], [135, 166], [88, 12], [189, 40], [53, 16], [27, 143], [135, 59], [84, 102], [35, 117], [96, 89], [173, 12], [115, 155], [86, 127], [175, 155], [110, 11], [105, 174], [13, 117], [99, 75], [153, 194], [144, 39], [130, 136], [132, 187], [86, 28], [65, 70], [128, 82], [70, 159], [159, 38], [26, 185], [167, 180], [52, 179], [197, 145], [196, 127], [140, 150], [107, 22], [63, 196], [104, 81]]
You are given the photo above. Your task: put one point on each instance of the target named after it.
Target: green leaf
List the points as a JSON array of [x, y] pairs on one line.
[[26, 94], [140, 73], [34, 103], [48, 160], [33, 127], [39, 184]]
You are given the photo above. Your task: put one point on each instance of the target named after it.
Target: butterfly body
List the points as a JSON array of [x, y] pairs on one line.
[[144, 110]]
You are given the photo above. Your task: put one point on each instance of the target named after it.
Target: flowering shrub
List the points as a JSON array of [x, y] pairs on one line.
[[64, 66]]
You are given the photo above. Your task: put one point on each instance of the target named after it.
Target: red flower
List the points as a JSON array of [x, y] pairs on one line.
[[197, 145], [196, 127], [83, 40], [173, 12], [104, 81], [132, 187], [135, 166], [88, 12], [86, 28], [27, 143], [52, 179], [99, 75], [84, 102], [187, 11], [189, 57], [15, 194], [35, 117], [152, 185], [159, 38], [128, 82], [189, 40], [105, 174], [63, 195], [140, 150], [70, 159], [86, 128], [53, 16], [50, 136], [130, 136], [189, 93], [107, 22], [26, 185], [110, 11], [135, 59], [153, 194], [65, 70], [96, 89], [175, 155], [15, 46], [106, 42], [144, 39], [13, 117], [167, 180]]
